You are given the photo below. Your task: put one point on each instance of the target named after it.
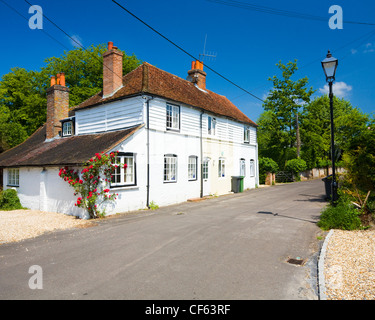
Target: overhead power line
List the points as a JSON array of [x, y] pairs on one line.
[[22, 16], [183, 50], [275, 11]]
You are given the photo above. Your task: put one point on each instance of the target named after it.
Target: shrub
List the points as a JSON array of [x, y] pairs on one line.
[[323, 163], [266, 165], [9, 200], [342, 216], [296, 166], [92, 184], [153, 205]]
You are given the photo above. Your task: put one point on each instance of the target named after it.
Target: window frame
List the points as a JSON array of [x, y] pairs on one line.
[[221, 168], [205, 169], [122, 172], [193, 167], [211, 125], [242, 167], [252, 168], [246, 134], [63, 125], [173, 126], [13, 179], [169, 166]]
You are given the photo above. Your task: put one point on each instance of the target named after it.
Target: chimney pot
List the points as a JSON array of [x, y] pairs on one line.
[[58, 78], [110, 45], [53, 81], [197, 75], [62, 79]]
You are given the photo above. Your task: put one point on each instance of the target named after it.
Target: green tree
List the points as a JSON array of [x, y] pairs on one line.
[[359, 158], [23, 93], [279, 126], [83, 71], [349, 122]]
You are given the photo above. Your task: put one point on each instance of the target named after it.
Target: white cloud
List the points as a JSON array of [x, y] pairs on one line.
[[76, 41], [354, 51], [340, 89]]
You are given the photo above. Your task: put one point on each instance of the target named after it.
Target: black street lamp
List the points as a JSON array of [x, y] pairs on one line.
[[329, 65]]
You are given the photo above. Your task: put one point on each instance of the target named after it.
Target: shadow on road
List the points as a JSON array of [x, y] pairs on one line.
[[312, 198], [316, 218]]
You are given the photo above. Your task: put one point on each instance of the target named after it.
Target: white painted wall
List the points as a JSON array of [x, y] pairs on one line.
[[45, 190]]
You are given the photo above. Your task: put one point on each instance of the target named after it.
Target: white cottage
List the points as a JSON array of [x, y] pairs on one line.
[[178, 139]]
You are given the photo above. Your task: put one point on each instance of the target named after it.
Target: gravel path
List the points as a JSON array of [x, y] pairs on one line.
[[18, 225], [349, 267]]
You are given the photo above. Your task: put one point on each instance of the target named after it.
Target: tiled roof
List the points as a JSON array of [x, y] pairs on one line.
[[148, 79], [73, 150]]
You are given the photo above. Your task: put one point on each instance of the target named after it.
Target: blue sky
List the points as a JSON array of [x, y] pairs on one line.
[[247, 43]]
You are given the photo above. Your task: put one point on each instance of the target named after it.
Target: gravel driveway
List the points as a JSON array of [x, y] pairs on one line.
[[350, 265], [18, 225]]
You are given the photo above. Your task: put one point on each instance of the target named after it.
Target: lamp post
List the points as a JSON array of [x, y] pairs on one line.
[[329, 65]]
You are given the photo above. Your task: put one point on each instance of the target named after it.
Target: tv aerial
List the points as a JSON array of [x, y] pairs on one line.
[[206, 55]]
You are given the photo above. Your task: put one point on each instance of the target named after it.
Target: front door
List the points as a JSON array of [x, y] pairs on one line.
[[206, 176]]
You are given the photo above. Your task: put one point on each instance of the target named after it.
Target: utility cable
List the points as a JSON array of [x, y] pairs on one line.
[[183, 50], [269, 10]]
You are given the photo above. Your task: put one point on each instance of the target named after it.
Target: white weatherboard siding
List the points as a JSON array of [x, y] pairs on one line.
[[111, 116]]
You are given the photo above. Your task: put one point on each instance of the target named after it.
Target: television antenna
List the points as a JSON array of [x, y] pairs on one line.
[[205, 54]]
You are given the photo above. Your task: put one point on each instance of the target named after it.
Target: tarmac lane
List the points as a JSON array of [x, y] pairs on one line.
[[234, 246]]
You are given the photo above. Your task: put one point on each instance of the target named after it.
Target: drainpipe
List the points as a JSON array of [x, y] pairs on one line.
[[201, 151], [148, 149]]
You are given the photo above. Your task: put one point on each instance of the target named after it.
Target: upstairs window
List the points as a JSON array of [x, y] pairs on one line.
[[173, 117], [170, 168], [67, 128], [125, 173], [211, 125], [246, 134], [14, 177]]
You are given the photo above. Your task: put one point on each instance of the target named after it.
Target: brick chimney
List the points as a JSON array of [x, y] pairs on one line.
[[57, 105], [197, 75], [112, 70]]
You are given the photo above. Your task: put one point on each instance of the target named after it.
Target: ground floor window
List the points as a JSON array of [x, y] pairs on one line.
[[221, 167], [14, 177], [125, 173], [252, 168], [192, 167], [205, 169], [242, 167], [170, 168]]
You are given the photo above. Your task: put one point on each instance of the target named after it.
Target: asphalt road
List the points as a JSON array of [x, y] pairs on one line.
[[231, 247]]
